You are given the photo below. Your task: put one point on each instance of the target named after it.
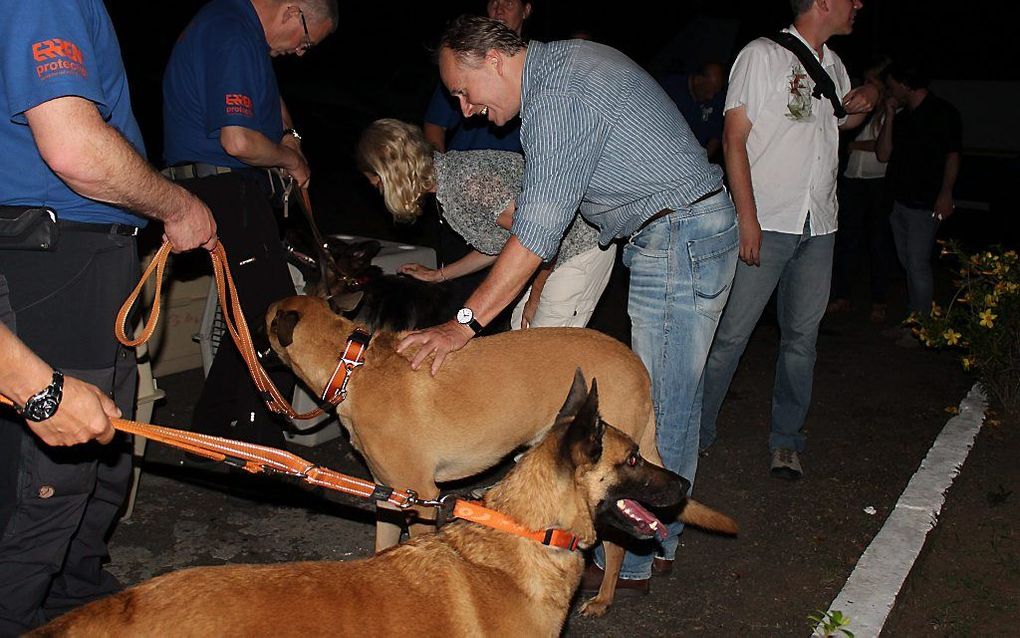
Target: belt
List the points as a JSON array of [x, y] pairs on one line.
[[192, 171], [200, 169], [125, 230], [666, 211]]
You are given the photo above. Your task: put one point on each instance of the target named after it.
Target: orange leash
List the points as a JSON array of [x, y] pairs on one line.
[[259, 459], [232, 317]]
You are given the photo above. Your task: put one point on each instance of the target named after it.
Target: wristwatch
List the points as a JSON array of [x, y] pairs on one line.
[[466, 317], [43, 404], [293, 133]]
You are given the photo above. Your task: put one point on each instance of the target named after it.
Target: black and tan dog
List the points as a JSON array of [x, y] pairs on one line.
[[496, 394], [466, 580]]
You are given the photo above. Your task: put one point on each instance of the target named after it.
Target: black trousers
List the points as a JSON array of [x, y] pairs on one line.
[[864, 230], [58, 505], [230, 405]]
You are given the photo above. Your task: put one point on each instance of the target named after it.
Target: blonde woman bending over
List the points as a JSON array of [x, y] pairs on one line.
[[477, 191]]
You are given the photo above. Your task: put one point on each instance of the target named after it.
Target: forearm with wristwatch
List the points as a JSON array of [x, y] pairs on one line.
[[43, 404]]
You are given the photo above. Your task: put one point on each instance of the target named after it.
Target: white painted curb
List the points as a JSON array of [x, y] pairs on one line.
[[870, 592]]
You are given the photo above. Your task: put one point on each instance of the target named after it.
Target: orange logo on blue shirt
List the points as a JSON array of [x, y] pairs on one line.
[[58, 57], [239, 104]]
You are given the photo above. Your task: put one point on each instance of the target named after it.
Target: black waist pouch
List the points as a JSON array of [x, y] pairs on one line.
[[28, 228]]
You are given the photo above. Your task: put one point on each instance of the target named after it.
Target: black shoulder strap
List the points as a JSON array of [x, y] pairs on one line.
[[823, 83]]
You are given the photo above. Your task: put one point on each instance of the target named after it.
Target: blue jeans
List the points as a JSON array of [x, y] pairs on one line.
[[913, 232], [800, 265], [681, 269]]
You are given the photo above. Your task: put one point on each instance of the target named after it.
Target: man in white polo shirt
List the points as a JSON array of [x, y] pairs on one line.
[[780, 145]]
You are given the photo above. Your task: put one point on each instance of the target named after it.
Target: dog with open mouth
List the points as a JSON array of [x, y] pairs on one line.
[[494, 396], [465, 580]]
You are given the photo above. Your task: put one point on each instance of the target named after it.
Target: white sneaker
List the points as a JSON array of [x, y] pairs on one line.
[[786, 464]]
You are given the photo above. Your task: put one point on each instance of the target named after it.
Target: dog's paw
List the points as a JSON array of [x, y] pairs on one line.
[[594, 608]]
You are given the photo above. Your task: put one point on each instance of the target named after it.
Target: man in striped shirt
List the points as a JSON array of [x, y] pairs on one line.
[[601, 136]]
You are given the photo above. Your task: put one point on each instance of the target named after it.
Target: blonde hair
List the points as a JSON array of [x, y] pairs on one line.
[[398, 153]]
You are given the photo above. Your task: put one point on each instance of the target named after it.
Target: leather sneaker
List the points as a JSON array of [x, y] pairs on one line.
[[786, 464], [662, 566], [592, 580]]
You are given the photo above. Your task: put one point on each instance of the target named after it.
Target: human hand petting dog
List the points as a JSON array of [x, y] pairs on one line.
[[422, 272], [439, 340]]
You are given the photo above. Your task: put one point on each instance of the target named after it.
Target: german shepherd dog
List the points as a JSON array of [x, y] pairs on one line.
[[359, 290], [493, 396], [465, 580]]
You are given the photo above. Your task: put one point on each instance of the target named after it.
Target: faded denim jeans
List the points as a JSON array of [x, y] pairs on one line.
[[913, 232], [681, 270], [801, 266]]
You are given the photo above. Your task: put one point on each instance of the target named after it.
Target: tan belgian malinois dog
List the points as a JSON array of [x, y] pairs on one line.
[[493, 396], [465, 580]]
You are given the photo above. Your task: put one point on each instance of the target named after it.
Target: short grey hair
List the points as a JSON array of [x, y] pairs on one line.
[[321, 10], [800, 6], [471, 37]]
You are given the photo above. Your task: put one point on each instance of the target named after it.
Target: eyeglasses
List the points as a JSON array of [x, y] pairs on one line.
[[307, 42]]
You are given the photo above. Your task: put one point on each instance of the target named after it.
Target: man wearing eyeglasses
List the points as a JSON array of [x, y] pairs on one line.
[[226, 129]]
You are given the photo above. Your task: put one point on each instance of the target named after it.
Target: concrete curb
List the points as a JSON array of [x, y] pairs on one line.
[[868, 596]]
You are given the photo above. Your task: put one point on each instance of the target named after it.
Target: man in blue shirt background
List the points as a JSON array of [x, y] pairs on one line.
[[69, 142], [700, 97], [225, 125]]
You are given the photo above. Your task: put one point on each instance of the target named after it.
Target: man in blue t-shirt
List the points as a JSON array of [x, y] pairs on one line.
[[69, 143], [700, 97], [227, 138]]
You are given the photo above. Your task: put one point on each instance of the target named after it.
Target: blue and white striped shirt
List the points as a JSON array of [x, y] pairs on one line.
[[600, 134]]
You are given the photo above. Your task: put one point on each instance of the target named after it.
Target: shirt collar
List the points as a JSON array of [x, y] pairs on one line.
[[826, 58]]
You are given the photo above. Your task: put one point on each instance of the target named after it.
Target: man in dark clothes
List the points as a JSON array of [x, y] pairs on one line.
[[922, 144], [225, 126]]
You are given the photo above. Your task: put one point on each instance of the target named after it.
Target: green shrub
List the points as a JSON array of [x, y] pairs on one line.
[[982, 320]]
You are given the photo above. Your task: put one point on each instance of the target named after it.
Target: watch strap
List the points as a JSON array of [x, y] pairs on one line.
[[43, 404], [474, 325]]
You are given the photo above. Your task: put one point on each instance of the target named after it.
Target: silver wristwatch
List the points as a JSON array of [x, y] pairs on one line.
[[293, 133], [466, 317]]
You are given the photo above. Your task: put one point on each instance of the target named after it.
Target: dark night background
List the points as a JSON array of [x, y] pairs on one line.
[[378, 64]]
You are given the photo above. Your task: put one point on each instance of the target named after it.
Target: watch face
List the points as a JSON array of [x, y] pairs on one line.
[[465, 315], [43, 409]]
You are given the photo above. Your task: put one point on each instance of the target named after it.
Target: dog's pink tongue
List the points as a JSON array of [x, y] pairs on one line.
[[637, 513]]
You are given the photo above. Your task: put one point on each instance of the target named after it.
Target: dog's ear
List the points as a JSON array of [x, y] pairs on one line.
[[345, 302], [575, 398], [582, 443], [283, 326], [365, 251]]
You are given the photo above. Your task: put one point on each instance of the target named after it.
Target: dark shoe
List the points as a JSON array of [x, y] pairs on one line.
[[592, 580], [837, 306], [786, 464], [662, 566]]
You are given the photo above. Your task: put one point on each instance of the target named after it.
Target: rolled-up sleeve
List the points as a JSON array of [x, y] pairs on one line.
[[562, 139]]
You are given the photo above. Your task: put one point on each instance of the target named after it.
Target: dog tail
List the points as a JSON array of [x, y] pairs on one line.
[[694, 513]]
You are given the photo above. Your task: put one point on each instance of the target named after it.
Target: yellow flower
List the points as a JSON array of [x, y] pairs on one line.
[[935, 310], [967, 362], [987, 318], [991, 300], [951, 337]]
